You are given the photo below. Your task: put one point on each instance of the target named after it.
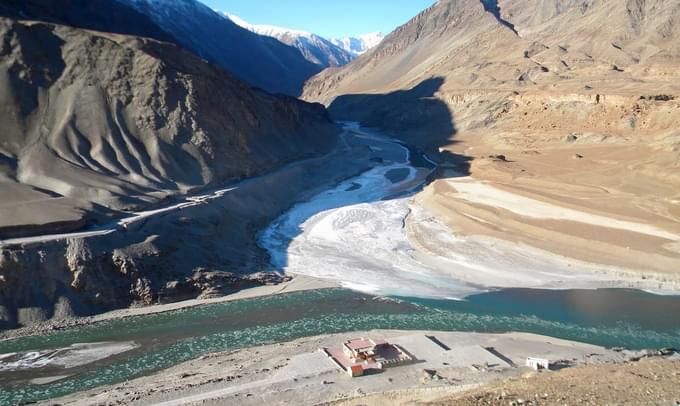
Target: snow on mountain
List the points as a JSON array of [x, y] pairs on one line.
[[268, 30], [262, 61], [360, 44], [314, 48]]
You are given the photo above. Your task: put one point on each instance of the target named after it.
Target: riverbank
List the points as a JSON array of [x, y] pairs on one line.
[[380, 234], [647, 382], [295, 283], [29, 370], [612, 205], [205, 247], [359, 227], [448, 242], [296, 372], [359, 235]]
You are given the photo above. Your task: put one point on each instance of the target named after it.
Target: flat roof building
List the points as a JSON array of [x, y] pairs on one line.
[[361, 355], [538, 363]]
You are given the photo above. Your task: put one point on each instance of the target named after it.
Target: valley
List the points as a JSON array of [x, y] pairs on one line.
[[200, 206], [369, 233], [559, 150], [320, 239]]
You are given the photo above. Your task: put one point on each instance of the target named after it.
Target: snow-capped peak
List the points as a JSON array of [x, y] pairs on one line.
[[268, 30], [359, 44], [372, 39], [314, 48], [236, 20]]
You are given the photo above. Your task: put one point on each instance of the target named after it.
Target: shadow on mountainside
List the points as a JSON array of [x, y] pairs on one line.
[[97, 15], [414, 116], [417, 120], [492, 6]]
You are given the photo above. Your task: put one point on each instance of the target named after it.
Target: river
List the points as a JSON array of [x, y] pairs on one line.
[[352, 234], [613, 317], [367, 234]]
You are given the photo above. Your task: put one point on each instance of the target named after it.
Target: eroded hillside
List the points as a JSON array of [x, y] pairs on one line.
[[102, 121], [96, 125]]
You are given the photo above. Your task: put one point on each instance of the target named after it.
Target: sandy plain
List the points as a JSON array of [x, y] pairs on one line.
[[616, 206]]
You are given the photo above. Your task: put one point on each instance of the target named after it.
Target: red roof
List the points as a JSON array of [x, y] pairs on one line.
[[362, 343], [359, 344]]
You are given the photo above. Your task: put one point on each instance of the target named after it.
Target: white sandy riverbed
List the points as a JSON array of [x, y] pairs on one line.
[[363, 235]]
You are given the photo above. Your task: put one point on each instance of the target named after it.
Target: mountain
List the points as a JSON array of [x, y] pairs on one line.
[[99, 15], [314, 48], [97, 125], [569, 104], [262, 61], [358, 45], [497, 52], [118, 122]]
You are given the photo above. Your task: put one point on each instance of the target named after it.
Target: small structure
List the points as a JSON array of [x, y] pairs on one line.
[[360, 355], [360, 349], [355, 370], [538, 363]]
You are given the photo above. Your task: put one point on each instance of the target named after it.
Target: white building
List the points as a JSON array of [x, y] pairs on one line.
[[538, 363]]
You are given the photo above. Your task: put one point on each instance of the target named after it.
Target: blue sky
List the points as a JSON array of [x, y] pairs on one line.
[[328, 18]]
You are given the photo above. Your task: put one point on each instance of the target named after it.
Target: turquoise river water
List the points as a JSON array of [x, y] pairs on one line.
[[609, 317]]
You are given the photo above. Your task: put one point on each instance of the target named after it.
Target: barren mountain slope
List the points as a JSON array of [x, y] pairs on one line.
[[122, 122], [560, 43], [99, 122], [574, 104], [261, 61], [99, 15]]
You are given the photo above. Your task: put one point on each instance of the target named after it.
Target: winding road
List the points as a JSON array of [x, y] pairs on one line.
[[121, 224]]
